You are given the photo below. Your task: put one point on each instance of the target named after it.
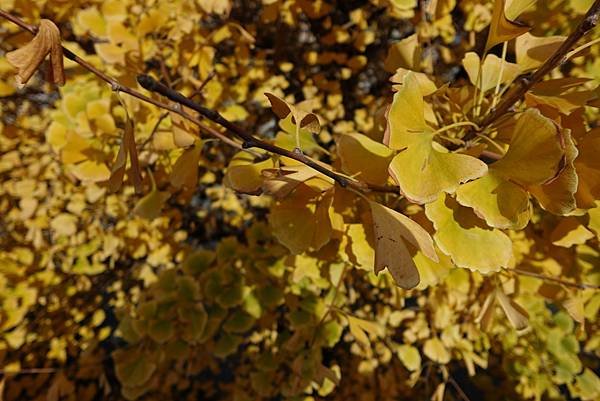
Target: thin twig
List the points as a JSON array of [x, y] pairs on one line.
[[458, 389], [589, 21], [581, 286], [154, 130]]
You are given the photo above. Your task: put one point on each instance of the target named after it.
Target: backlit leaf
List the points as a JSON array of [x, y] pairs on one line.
[[466, 239]]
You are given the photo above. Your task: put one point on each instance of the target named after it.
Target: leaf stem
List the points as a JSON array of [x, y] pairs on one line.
[[454, 125], [502, 62]]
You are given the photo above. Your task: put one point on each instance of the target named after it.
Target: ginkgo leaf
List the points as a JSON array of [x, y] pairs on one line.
[[486, 315], [127, 147], [356, 149], [28, 58], [570, 231], [301, 112], [500, 202], [281, 182], [435, 350], [558, 195], [490, 70], [150, 206], [514, 8], [517, 316], [405, 53], [426, 85], [409, 356], [533, 51], [359, 328], [185, 169], [535, 156], [575, 308], [501, 28], [395, 237], [91, 171], [302, 222], [425, 169], [466, 239], [564, 95], [407, 115], [587, 165], [536, 153], [245, 175]]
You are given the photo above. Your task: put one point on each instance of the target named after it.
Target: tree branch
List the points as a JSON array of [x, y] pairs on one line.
[[581, 286], [589, 21]]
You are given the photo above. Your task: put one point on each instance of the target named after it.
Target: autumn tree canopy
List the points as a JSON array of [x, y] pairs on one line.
[[299, 200]]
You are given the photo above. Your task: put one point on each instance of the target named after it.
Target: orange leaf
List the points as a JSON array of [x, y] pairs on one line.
[[28, 58]]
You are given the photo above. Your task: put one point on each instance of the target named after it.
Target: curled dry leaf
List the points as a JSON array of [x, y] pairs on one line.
[[118, 171], [301, 112], [395, 235], [28, 58]]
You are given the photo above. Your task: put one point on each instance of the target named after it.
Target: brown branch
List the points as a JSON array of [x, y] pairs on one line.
[[581, 286], [589, 21], [249, 140]]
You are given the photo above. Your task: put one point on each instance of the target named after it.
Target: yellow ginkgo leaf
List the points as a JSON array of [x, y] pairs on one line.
[[406, 117], [517, 316], [426, 85], [302, 222], [587, 165], [359, 328], [558, 195], [466, 239], [284, 180], [536, 153], [404, 54], [435, 350], [570, 231], [244, 175], [535, 156], [533, 51], [397, 238], [503, 29], [301, 112], [28, 58], [575, 308], [490, 70], [355, 149], [425, 169], [150, 206], [500, 202], [185, 169], [91, 171]]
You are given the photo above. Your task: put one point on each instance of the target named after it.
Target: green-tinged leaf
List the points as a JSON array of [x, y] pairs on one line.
[[466, 239]]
